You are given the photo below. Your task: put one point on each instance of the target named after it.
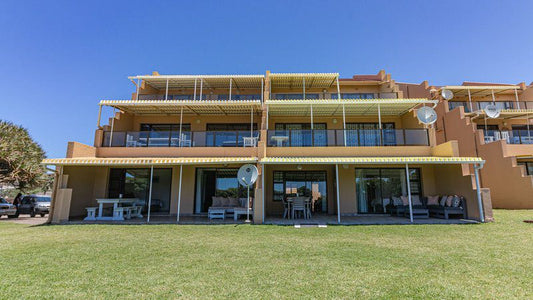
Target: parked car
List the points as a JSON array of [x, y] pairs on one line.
[[34, 204], [7, 209]]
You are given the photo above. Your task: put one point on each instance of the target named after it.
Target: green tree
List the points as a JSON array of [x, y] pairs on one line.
[[20, 159]]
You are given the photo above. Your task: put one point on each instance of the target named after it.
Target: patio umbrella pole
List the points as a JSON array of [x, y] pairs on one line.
[[248, 207]]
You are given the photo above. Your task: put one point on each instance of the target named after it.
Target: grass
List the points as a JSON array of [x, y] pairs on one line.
[[167, 261]]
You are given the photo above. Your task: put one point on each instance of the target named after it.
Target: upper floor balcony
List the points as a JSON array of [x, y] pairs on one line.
[[480, 105]]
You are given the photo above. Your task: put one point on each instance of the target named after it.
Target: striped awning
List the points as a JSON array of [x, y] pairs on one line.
[[333, 107], [194, 107], [480, 90], [372, 160], [98, 161], [207, 81], [296, 80]]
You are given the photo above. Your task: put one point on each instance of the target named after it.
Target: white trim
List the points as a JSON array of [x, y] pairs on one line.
[[338, 194], [150, 193], [409, 192], [179, 195]]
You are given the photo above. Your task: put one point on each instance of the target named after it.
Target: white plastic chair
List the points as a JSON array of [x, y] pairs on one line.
[[505, 136], [248, 141], [184, 141]]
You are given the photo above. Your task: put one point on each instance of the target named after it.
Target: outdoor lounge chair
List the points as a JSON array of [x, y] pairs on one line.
[[399, 209]]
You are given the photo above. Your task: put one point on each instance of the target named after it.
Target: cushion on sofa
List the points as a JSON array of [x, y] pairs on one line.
[[234, 202], [456, 202], [396, 201], [415, 199], [433, 200], [217, 201], [405, 200], [449, 201], [224, 202], [443, 201]]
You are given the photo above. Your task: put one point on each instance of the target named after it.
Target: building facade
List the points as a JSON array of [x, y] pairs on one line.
[[351, 146]]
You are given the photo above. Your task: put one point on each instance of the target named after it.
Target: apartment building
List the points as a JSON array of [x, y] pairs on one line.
[[350, 146], [504, 141]]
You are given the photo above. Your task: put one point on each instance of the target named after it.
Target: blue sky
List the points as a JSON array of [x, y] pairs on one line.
[[59, 58]]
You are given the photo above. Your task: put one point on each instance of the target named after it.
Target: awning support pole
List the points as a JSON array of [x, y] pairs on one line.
[[262, 87], [194, 97], [150, 193], [267, 118], [99, 116], [181, 122], [179, 195], [201, 87], [516, 97], [303, 81], [478, 193], [338, 89], [112, 126], [251, 123], [344, 124], [470, 101], [311, 116], [379, 126], [338, 194], [409, 192], [527, 125], [166, 91], [263, 174], [493, 98], [137, 93], [230, 84]]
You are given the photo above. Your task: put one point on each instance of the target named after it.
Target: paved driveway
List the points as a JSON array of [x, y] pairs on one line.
[[26, 219]]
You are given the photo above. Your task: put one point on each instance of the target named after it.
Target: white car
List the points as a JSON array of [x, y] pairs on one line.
[[7, 209]]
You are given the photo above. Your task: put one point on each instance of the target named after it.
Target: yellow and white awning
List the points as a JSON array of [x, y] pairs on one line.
[[194, 107], [298, 80], [481, 90], [332, 107], [162, 161], [207, 81], [372, 160]]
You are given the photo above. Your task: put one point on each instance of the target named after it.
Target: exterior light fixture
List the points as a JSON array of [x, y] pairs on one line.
[[299, 167]]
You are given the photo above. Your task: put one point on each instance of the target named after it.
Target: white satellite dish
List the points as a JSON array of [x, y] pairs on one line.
[[446, 94], [426, 115], [492, 111], [247, 175]]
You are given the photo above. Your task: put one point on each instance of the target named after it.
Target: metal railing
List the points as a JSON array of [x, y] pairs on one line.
[[244, 138], [510, 136], [348, 137], [479, 105]]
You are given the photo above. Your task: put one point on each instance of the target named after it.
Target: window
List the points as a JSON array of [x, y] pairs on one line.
[[376, 187], [228, 135], [239, 97], [311, 184], [165, 127], [368, 134], [217, 183], [301, 135]]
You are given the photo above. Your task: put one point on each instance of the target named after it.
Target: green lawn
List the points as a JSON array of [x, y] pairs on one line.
[[168, 261]]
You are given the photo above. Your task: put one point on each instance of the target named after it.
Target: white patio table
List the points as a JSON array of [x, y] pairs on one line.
[[115, 202]]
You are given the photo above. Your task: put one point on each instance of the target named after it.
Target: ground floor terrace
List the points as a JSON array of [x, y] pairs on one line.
[[288, 191]]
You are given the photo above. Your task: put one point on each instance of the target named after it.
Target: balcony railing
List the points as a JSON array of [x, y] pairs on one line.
[[243, 138], [349, 138], [482, 104], [510, 136]]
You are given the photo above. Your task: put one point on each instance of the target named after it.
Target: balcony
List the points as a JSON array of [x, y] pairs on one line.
[[513, 137], [137, 139], [348, 138], [500, 104]]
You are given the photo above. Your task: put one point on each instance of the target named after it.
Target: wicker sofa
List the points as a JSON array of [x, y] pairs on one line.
[[447, 206]]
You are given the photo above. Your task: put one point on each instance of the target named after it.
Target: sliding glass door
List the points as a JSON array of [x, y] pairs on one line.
[[310, 184], [217, 183], [376, 187], [135, 183]]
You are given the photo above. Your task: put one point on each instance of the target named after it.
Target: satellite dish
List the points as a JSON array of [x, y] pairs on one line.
[[492, 111], [426, 115], [247, 175], [447, 94]]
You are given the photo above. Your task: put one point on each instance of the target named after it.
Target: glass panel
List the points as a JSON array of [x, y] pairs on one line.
[[368, 189], [159, 139], [217, 183]]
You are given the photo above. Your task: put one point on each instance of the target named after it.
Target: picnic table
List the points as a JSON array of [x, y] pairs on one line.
[[119, 208]]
